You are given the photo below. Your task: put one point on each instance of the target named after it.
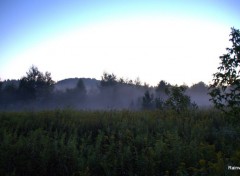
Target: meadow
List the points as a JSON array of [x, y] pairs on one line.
[[69, 142]]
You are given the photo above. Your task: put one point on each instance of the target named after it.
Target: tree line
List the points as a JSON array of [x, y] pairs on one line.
[[38, 88]]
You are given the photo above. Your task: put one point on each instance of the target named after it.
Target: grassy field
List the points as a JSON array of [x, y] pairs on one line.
[[68, 142]]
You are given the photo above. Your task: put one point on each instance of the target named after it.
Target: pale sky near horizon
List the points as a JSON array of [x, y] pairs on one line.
[[176, 41]]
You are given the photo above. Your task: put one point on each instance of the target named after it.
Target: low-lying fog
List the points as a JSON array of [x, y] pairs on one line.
[[91, 94]]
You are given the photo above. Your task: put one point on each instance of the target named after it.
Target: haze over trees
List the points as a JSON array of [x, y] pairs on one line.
[[37, 90]]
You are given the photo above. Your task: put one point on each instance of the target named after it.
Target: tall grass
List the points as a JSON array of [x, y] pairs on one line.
[[68, 142]]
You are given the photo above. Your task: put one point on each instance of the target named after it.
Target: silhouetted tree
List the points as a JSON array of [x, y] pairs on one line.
[[26, 90], [137, 82], [146, 85], [130, 82], [121, 81], [200, 87], [1, 85], [35, 84], [162, 86], [81, 87], [9, 93], [74, 97], [177, 100], [108, 80], [159, 103], [161, 94], [147, 101], [225, 89]]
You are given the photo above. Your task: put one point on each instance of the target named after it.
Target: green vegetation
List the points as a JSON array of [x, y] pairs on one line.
[[67, 142], [35, 84], [225, 90], [175, 99]]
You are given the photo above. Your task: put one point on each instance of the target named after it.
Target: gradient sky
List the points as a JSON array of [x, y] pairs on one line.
[[176, 41]]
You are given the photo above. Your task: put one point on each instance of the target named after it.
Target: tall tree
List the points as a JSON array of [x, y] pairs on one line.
[[148, 101], [177, 100], [9, 93], [162, 86], [35, 84], [225, 89], [137, 82], [81, 87], [108, 80], [200, 87], [1, 85]]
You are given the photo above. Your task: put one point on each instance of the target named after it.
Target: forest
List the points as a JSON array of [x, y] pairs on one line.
[[37, 91], [117, 126]]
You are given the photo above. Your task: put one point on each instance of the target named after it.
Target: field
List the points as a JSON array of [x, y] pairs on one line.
[[68, 142]]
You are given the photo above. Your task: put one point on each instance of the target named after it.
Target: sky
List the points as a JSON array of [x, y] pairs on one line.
[[176, 41]]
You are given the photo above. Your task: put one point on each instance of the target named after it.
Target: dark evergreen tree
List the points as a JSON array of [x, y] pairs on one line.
[[9, 94], [162, 86], [1, 85], [81, 87], [147, 101]]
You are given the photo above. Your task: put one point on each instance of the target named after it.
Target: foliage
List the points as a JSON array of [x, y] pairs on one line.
[[137, 82], [159, 103], [1, 83], [80, 86], [168, 97], [36, 91], [117, 143], [9, 93], [225, 89], [177, 100], [35, 84], [148, 100], [162, 86], [75, 95], [79, 90], [199, 87], [108, 80]]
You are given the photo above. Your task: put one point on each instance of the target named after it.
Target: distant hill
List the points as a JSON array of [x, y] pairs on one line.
[[63, 85], [70, 83]]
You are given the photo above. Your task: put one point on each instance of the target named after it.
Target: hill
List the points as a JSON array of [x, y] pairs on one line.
[[70, 83]]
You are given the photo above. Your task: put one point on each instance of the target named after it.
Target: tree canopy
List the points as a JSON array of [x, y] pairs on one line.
[[225, 89], [35, 84], [108, 80]]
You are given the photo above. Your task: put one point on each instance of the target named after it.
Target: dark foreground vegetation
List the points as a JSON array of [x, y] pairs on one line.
[[68, 142]]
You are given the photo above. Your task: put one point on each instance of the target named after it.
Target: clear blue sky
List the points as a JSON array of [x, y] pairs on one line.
[[178, 41]]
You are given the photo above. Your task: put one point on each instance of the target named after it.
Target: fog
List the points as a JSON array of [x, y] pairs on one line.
[[91, 95]]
